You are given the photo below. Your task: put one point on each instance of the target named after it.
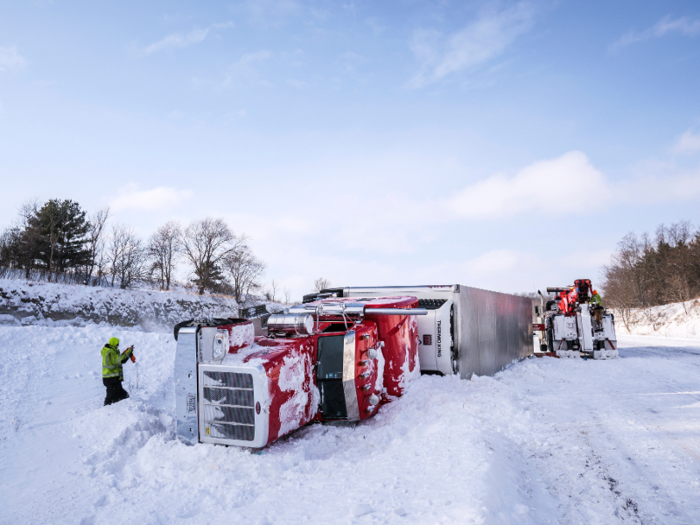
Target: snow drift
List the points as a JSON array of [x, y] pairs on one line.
[[670, 320]]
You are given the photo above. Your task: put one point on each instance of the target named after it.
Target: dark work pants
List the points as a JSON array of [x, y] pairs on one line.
[[115, 390]]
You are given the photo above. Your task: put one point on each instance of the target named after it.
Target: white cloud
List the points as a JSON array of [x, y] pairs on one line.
[[682, 25], [498, 261], [687, 144], [509, 271], [179, 40], [10, 58], [387, 237], [156, 199], [681, 187], [533, 189], [587, 258], [244, 69], [566, 180], [482, 40]]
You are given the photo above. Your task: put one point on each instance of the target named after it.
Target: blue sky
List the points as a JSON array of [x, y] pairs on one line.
[[504, 145]]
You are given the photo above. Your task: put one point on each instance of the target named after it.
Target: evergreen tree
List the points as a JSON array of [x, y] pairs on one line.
[[10, 251], [58, 232], [208, 276]]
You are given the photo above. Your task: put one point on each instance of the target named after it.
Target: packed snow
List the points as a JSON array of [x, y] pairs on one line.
[[545, 441], [293, 377]]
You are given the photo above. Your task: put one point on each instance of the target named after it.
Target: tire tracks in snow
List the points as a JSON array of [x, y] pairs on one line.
[[581, 410]]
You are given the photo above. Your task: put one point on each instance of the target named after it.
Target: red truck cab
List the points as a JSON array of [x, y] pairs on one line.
[[329, 360]]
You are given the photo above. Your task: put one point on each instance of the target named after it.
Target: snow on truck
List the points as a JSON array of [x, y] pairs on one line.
[[572, 326], [338, 356]]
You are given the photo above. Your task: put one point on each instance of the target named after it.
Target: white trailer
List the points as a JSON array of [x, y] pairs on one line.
[[467, 330]]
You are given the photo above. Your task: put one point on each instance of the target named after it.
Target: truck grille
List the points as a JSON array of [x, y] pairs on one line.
[[227, 404]]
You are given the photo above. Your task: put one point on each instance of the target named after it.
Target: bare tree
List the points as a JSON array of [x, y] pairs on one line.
[[28, 237], [96, 243], [678, 290], [164, 247], [126, 256], [28, 210], [621, 281], [271, 293], [321, 284], [647, 272], [206, 243], [287, 295], [243, 268]]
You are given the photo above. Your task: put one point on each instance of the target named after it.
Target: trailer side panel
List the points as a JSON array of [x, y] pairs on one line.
[[493, 330]]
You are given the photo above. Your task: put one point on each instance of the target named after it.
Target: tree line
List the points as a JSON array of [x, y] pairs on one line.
[[59, 241], [648, 271]]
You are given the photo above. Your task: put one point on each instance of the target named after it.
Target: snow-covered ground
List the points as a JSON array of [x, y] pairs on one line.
[[546, 441], [669, 320], [40, 303]]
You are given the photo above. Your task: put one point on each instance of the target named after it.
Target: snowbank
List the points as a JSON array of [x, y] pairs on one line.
[[31, 303], [671, 320], [545, 441]]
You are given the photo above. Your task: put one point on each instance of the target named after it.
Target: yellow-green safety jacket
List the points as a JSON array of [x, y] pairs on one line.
[[112, 360], [596, 299]]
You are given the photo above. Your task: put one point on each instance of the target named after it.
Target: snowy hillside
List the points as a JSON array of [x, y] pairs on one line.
[[671, 320], [49, 304], [546, 441]]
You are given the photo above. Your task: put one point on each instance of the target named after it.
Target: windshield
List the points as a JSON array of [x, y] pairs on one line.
[[330, 357], [329, 375]]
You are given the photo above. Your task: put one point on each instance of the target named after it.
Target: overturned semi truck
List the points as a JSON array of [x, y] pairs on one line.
[[338, 356]]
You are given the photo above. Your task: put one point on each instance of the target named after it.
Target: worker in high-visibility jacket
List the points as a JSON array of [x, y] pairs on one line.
[[597, 306], [112, 373]]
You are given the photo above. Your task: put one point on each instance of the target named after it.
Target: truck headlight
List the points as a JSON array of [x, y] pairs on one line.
[[220, 345]]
